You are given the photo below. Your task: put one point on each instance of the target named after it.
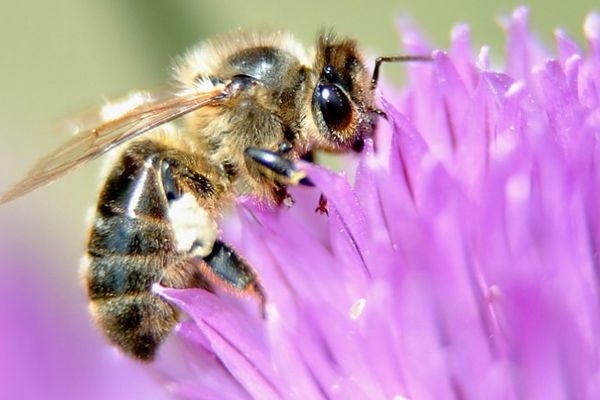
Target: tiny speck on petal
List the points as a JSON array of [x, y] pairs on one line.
[[358, 308]]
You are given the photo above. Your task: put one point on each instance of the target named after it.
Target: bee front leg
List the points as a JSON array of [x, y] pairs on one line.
[[284, 172], [274, 165]]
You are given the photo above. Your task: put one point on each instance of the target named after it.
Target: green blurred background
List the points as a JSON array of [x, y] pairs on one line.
[[64, 56]]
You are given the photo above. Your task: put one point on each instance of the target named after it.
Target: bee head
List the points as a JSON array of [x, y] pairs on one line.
[[342, 100]]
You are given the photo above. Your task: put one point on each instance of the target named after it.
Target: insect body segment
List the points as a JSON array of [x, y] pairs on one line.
[[131, 247], [140, 237]]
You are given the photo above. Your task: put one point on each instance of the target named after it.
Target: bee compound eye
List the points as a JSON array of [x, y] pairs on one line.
[[335, 107]]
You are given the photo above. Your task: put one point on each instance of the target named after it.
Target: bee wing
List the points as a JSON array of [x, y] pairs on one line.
[[92, 143], [90, 118]]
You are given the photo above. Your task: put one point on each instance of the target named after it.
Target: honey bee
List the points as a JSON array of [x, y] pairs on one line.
[[250, 104]]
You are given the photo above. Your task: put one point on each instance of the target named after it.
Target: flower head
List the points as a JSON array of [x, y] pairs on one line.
[[48, 350], [462, 262]]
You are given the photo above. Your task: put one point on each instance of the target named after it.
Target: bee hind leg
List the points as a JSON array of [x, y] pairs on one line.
[[225, 268]]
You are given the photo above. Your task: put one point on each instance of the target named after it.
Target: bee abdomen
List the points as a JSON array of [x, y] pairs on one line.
[[130, 248], [149, 228], [136, 323], [116, 275], [121, 234]]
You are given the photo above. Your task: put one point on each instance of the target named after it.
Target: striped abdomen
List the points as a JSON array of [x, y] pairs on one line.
[[132, 246]]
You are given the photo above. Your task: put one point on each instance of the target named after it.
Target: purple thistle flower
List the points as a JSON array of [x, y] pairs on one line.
[[461, 263], [48, 349]]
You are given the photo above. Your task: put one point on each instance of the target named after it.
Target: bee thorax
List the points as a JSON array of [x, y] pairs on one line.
[[195, 231]]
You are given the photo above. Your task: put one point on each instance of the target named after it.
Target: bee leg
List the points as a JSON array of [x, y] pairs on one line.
[[282, 197], [274, 164], [228, 269], [196, 233], [190, 194], [285, 172]]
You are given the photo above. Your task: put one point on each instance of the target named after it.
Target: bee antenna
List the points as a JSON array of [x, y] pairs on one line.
[[381, 60]]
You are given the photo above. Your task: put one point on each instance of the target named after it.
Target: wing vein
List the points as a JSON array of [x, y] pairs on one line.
[[92, 143]]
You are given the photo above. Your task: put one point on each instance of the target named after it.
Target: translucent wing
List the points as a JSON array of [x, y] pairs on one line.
[[91, 143]]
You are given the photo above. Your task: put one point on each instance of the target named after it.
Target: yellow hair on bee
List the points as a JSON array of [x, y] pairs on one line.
[[206, 58]]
